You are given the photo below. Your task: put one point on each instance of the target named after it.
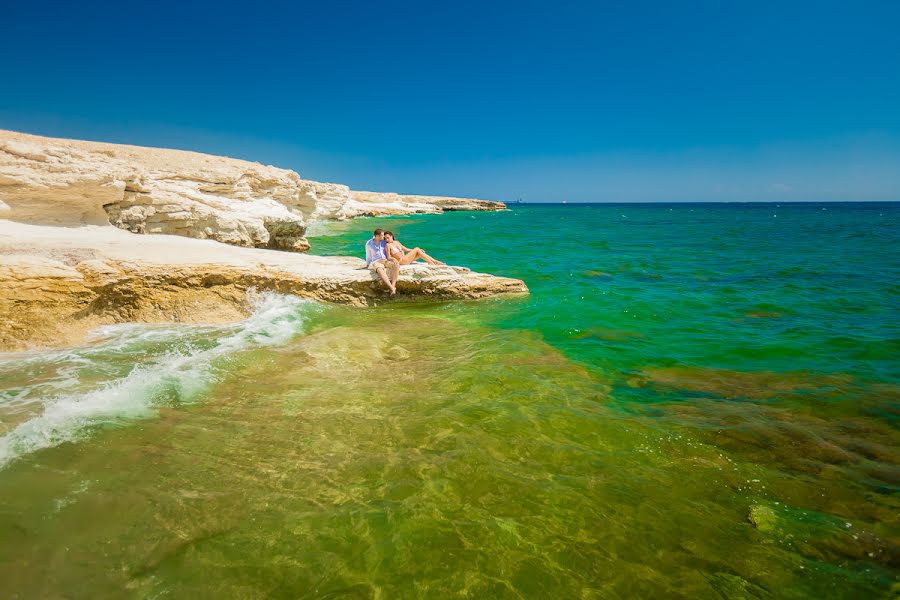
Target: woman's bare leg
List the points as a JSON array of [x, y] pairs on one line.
[[430, 260], [417, 253]]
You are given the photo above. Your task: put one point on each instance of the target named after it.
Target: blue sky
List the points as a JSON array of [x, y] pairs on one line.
[[547, 101]]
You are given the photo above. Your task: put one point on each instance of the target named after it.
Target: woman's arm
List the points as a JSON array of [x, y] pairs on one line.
[[392, 257], [404, 248]]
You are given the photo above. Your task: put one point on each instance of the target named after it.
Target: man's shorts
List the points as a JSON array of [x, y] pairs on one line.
[[379, 264]]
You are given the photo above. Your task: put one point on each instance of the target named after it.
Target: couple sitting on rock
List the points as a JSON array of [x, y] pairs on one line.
[[384, 252]]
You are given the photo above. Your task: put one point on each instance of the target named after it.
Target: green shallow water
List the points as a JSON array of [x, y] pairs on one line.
[[695, 402]]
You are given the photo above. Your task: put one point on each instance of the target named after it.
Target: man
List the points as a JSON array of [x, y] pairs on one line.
[[377, 260]]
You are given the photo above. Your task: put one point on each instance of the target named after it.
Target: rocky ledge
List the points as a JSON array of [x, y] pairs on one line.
[[58, 283]]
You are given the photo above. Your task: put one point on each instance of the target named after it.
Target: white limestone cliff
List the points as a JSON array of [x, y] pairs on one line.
[[154, 190], [338, 202], [150, 190]]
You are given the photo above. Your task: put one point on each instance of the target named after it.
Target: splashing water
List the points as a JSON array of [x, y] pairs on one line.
[[182, 369]]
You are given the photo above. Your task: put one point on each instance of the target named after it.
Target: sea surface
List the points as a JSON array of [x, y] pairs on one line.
[[695, 400]]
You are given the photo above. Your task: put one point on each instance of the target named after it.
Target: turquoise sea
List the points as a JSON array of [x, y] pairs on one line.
[[695, 400]]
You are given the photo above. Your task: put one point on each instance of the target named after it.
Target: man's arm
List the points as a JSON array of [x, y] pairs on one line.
[[370, 258]]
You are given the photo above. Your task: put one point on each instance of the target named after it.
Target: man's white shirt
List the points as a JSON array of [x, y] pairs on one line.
[[374, 251]]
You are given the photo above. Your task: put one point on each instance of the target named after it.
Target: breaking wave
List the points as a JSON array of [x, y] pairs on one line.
[[164, 364]]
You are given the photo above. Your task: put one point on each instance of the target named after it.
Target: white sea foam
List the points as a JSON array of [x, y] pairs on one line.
[[183, 368]]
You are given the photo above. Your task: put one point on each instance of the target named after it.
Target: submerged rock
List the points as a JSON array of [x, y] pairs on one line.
[[762, 517], [821, 536], [726, 383], [602, 333]]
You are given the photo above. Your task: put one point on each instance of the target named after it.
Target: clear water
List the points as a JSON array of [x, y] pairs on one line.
[[694, 401]]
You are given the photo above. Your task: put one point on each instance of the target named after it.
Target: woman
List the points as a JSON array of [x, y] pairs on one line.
[[396, 251]]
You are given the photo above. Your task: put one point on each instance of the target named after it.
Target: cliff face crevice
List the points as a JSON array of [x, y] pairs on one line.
[[286, 235]]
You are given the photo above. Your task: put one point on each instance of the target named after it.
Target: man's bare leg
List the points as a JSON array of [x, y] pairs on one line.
[[386, 279], [395, 275]]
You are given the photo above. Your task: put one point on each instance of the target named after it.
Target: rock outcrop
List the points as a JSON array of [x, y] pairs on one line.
[[70, 259], [423, 203], [57, 283], [376, 204], [336, 202], [152, 190]]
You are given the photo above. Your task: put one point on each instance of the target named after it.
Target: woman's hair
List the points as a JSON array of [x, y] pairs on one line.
[[390, 233]]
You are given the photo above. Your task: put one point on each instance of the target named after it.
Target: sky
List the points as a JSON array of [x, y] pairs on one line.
[[632, 101]]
